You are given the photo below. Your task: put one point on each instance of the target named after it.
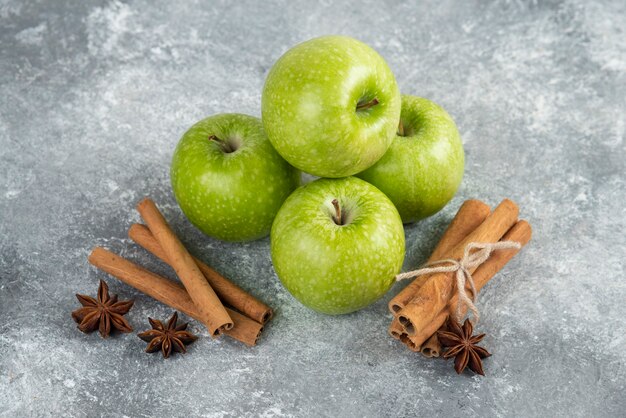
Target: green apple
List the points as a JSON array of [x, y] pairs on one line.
[[331, 106], [337, 244], [423, 168], [227, 178]]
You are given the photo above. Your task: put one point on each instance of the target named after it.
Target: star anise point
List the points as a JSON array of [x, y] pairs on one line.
[[461, 344], [167, 338], [103, 313]]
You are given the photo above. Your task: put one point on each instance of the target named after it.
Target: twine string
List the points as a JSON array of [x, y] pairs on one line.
[[475, 254]]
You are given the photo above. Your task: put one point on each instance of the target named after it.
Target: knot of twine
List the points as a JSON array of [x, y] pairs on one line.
[[470, 260]]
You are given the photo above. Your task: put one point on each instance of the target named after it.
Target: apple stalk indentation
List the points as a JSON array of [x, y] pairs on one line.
[[361, 105], [226, 146], [338, 217]]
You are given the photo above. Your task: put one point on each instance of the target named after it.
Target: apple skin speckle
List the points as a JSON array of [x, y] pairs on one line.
[[309, 106], [420, 172], [232, 196], [337, 269]]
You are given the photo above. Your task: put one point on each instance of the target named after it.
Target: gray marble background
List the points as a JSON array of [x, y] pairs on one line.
[[94, 96]]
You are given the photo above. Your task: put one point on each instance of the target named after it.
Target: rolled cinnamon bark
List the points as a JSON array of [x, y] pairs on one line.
[[433, 296], [417, 342], [406, 340], [432, 347], [228, 292], [244, 329], [171, 293], [469, 216], [521, 232], [208, 305], [395, 329], [428, 331]]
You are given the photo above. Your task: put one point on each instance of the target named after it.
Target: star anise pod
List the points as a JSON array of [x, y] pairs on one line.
[[102, 313], [167, 338], [462, 346]]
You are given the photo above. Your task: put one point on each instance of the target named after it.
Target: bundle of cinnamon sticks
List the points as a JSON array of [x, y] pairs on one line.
[[205, 295], [423, 307]]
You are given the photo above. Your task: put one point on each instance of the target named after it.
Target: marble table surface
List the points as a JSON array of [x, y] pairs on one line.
[[94, 97]]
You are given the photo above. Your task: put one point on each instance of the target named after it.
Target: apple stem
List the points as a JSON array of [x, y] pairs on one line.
[[366, 105], [338, 215], [225, 146], [401, 129]]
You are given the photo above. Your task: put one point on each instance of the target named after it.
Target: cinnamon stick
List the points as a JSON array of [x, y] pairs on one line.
[[521, 232], [244, 329], [228, 292], [469, 216], [208, 305], [432, 347], [406, 340], [171, 293], [432, 297], [418, 341], [395, 329], [428, 331]]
